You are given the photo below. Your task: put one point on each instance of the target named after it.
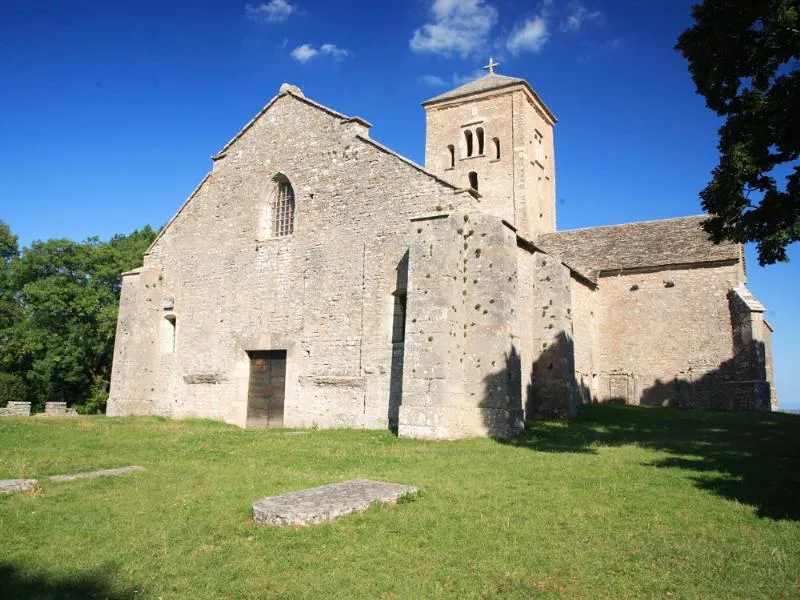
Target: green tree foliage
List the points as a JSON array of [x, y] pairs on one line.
[[743, 56], [64, 304], [8, 306]]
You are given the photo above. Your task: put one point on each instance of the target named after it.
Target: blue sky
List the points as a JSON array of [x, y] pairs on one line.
[[109, 111]]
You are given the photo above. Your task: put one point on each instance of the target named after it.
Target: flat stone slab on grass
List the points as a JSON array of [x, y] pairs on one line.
[[326, 503], [12, 486], [93, 474]]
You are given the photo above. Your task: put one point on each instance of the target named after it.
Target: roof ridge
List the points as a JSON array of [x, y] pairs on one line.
[[631, 223], [662, 243], [163, 230]]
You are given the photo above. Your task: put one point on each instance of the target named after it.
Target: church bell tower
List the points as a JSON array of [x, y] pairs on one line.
[[495, 135]]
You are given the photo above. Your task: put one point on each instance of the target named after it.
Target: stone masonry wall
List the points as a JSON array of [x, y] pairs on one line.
[[536, 188], [58, 409], [324, 294], [766, 336], [748, 380], [16, 409], [554, 391], [662, 336], [461, 369], [140, 367], [584, 334], [527, 303]]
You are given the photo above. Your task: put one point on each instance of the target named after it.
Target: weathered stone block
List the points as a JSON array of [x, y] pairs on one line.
[[326, 503], [13, 486], [16, 409], [101, 473]]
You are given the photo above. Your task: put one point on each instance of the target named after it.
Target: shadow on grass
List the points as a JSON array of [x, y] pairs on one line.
[[22, 584], [748, 456]]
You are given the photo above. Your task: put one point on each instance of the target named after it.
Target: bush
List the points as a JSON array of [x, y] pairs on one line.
[[98, 396], [12, 388]]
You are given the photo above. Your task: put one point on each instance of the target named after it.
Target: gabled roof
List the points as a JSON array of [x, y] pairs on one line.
[[409, 162], [295, 93], [175, 216], [490, 81], [637, 245]]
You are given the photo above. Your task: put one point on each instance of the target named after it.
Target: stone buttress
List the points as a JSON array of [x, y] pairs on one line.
[[461, 368]]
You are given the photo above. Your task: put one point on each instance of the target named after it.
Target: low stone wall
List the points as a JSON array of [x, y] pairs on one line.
[[16, 409], [58, 409]]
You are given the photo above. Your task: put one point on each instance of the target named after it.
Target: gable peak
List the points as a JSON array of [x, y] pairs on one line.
[[288, 88]]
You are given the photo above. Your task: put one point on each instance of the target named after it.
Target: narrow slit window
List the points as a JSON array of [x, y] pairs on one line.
[[496, 143], [399, 319], [473, 180], [468, 141], [479, 135], [539, 148], [451, 153], [168, 324]]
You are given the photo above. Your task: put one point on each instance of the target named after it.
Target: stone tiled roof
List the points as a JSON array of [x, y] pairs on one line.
[[488, 82], [636, 245], [491, 81]]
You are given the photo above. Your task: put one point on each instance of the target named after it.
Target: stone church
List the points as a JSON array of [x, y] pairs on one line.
[[315, 278]]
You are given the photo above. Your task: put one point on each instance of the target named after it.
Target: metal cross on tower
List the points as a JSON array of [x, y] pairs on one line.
[[491, 66]]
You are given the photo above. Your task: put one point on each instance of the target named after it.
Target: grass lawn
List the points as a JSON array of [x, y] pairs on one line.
[[621, 503]]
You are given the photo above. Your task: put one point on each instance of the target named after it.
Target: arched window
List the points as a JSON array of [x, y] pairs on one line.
[[479, 134], [473, 180], [282, 207], [452, 154], [496, 143], [468, 140]]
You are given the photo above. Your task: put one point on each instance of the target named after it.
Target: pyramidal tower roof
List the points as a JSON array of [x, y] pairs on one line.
[[489, 82]]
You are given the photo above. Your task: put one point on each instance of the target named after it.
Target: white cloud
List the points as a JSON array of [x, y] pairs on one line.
[[333, 50], [530, 36], [458, 27], [273, 11], [578, 16], [431, 80], [304, 53]]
